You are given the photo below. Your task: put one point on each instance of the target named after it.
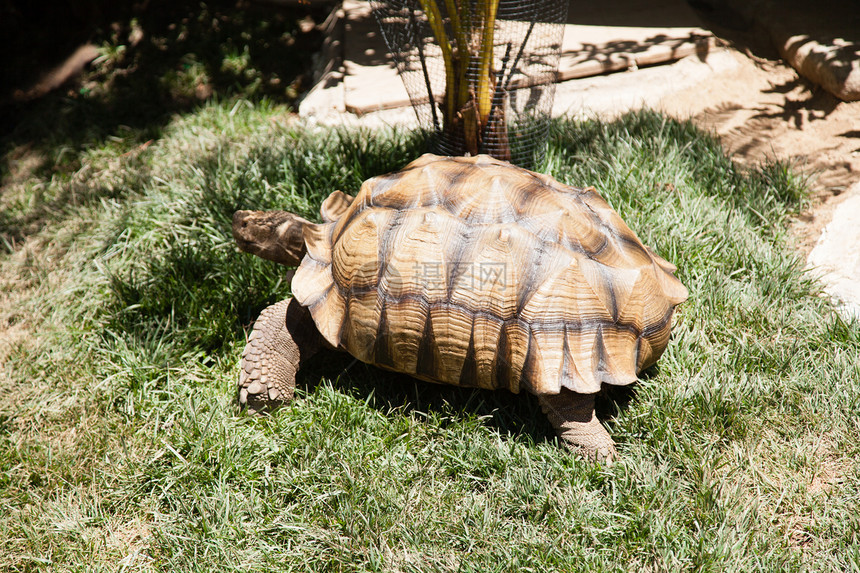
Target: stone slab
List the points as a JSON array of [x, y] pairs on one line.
[[836, 256], [616, 35], [612, 95], [371, 82], [604, 96]]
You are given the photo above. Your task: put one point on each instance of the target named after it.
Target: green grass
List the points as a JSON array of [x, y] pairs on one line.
[[123, 319], [157, 59]]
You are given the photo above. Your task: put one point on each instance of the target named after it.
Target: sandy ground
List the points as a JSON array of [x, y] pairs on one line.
[[762, 109]]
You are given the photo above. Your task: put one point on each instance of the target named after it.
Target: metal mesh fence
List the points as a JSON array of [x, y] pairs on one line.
[[480, 73]]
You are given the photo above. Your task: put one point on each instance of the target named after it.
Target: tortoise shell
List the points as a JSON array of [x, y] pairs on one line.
[[473, 272]]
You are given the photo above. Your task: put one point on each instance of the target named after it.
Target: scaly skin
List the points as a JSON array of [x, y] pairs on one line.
[[283, 337], [572, 415]]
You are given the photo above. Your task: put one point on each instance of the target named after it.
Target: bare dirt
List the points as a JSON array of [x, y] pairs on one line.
[[762, 109]]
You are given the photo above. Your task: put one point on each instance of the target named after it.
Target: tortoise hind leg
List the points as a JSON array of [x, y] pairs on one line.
[[572, 415], [283, 337]]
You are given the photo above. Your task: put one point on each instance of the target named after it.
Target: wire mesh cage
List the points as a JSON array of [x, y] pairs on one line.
[[480, 73]]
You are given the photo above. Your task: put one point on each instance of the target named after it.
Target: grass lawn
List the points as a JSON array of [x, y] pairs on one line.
[[125, 307]]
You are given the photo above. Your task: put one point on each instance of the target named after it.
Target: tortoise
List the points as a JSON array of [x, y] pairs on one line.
[[466, 271]]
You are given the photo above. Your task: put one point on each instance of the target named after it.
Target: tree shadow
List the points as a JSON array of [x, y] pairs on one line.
[[156, 58], [622, 54], [821, 40], [632, 13], [804, 104], [813, 105], [369, 49], [736, 28]]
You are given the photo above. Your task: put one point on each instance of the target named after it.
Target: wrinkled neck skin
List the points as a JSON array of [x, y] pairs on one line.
[[272, 235], [279, 236]]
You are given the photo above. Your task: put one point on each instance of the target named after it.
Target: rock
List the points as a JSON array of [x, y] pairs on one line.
[[821, 43], [836, 256], [835, 66]]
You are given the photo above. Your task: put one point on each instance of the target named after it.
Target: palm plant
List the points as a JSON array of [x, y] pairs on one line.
[[475, 99], [468, 101]]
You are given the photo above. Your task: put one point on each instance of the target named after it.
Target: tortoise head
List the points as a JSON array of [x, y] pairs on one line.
[[272, 235], [280, 235]]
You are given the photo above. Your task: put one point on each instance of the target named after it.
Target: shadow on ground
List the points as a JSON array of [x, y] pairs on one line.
[[514, 416], [155, 58]]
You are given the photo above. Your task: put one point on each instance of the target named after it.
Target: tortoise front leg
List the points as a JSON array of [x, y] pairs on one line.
[[283, 337], [572, 415]]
